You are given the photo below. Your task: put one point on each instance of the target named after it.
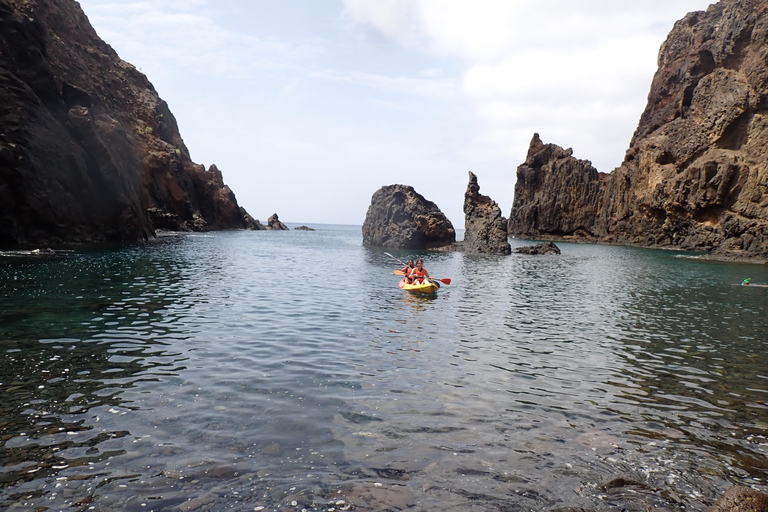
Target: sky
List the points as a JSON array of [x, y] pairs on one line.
[[310, 106]]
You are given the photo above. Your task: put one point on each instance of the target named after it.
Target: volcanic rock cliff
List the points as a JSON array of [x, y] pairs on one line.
[[88, 151], [696, 173]]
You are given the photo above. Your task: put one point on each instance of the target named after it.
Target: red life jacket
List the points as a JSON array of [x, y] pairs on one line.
[[418, 273]]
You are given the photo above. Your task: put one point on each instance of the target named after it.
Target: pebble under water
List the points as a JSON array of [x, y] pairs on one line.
[[264, 370]]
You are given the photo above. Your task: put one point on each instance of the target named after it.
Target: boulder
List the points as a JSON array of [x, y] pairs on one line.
[[401, 218], [741, 499], [539, 249], [485, 230], [303, 228]]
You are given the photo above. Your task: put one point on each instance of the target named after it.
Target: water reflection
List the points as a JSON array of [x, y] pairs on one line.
[[240, 370]]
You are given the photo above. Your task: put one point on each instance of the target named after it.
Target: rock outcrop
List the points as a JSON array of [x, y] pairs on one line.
[[696, 173], [539, 249], [88, 151], [274, 223], [555, 194], [401, 218], [485, 230]]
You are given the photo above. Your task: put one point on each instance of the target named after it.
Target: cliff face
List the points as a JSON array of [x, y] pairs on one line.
[[88, 151], [696, 173]]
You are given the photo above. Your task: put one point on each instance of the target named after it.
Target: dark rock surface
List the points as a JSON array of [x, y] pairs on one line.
[[399, 217], [695, 175], [274, 223], [88, 151], [555, 194], [485, 230], [304, 228], [539, 249], [741, 499]]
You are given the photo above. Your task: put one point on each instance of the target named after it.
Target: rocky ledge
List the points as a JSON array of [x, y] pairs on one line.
[[694, 176], [401, 218], [88, 150]]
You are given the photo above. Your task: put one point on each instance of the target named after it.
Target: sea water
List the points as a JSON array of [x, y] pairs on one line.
[[287, 371]]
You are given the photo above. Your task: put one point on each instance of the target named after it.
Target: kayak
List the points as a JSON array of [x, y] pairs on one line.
[[427, 287]]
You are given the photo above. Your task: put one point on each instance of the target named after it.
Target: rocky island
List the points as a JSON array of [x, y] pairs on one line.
[[88, 150], [695, 175]]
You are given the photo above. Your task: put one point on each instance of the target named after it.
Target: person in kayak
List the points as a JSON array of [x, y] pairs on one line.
[[407, 271], [419, 273]]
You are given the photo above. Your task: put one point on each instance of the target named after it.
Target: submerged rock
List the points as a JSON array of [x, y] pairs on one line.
[[485, 230], [303, 228], [539, 249], [741, 499], [401, 218]]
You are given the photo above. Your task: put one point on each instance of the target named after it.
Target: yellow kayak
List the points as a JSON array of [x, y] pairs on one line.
[[427, 287]]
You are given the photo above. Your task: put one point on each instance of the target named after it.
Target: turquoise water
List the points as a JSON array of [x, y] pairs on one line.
[[286, 370]]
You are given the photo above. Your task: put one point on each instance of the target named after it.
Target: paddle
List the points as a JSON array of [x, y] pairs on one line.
[[444, 281], [399, 261]]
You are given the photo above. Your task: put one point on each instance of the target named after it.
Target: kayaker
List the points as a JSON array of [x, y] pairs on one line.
[[407, 271], [419, 273]]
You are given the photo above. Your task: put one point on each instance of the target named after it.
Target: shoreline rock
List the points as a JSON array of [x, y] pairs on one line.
[[694, 176], [542, 249]]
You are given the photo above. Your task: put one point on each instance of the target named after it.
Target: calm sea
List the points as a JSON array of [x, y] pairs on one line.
[[263, 370]]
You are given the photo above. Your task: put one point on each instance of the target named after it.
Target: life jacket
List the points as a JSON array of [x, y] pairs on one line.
[[419, 274]]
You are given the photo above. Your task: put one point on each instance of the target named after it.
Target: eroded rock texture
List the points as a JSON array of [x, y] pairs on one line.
[[555, 194], [88, 151], [696, 173], [485, 230], [399, 217]]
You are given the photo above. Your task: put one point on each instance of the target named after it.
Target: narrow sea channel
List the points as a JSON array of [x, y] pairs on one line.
[[251, 371]]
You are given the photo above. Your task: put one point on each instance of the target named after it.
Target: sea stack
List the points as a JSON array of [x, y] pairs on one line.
[[695, 175], [401, 218], [485, 230], [88, 150]]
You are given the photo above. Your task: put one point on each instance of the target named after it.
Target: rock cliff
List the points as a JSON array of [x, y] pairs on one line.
[[88, 151], [401, 218], [485, 230], [555, 194], [696, 172]]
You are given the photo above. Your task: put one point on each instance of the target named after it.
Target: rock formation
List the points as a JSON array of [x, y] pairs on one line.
[[304, 228], [695, 175], [555, 194], [539, 249], [274, 223], [485, 230], [401, 218], [88, 151]]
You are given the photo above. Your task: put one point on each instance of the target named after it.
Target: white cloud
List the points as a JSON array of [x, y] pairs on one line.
[[575, 70], [443, 88]]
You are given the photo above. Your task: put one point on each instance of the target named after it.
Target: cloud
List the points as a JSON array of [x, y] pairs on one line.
[[427, 85], [165, 34], [577, 71]]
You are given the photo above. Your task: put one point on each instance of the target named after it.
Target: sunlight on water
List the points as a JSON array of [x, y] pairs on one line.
[[286, 370]]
